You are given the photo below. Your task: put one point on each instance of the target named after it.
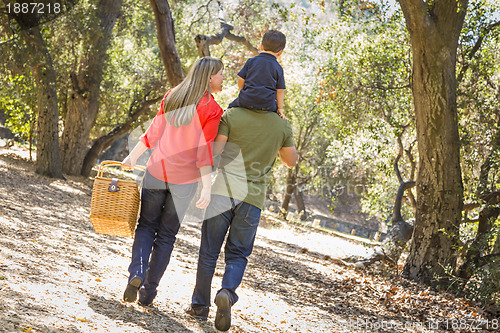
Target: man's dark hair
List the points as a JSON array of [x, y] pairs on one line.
[[273, 41]]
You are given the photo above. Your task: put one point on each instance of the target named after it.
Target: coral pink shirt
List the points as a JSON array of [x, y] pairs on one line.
[[180, 152]]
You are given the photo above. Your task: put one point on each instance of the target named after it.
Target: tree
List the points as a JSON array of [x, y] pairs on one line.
[[86, 77], [434, 29], [478, 96], [48, 153], [27, 25], [166, 41], [142, 102]]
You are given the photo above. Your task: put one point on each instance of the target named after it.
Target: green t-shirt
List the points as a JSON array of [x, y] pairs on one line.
[[254, 138]]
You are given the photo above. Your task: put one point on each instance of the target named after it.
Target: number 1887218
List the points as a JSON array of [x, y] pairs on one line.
[[33, 8]]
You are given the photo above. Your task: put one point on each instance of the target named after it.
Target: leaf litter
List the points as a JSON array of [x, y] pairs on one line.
[[58, 275]]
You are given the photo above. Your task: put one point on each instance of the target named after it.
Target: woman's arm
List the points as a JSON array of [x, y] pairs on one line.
[[130, 161]]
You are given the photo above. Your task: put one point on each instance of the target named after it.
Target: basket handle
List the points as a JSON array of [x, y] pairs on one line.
[[115, 163]]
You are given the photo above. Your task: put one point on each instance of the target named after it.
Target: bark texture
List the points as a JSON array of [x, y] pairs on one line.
[[48, 158], [100, 144], [83, 104], [166, 41], [291, 181], [434, 29]]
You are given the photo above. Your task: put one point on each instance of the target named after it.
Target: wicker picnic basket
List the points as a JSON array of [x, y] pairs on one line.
[[115, 203]]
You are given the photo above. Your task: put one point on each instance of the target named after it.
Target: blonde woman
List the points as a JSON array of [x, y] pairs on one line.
[[181, 134]]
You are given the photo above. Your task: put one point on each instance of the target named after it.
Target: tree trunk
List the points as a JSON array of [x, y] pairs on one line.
[[48, 158], [290, 187], [301, 207], [166, 41], [434, 29], [397, 237], [99, 145], [480, 245], [83, 103], [175, 75]]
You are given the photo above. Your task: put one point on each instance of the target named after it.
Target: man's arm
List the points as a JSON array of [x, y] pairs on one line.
[[288, 156], [219, 143]]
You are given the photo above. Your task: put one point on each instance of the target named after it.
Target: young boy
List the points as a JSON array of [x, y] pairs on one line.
[[261, 81]]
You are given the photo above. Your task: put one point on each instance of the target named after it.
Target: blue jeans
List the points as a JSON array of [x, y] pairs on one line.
[[163, 207], [239, 220]]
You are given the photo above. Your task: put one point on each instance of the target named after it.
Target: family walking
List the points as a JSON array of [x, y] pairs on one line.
[[189, 129]]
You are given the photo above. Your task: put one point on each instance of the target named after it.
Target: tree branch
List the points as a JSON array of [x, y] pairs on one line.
[[476, 48], [244, 41], [488, 259], [203, 42], [491, 198], [381, 87], [137, 109]]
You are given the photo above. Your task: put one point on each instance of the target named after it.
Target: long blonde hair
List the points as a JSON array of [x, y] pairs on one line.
[[180, 104]]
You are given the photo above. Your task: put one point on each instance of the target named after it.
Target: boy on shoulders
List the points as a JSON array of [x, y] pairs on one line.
[[261, 80]]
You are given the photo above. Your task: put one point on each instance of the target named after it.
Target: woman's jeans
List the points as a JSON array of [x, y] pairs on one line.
[[163, 207], [239, 220]]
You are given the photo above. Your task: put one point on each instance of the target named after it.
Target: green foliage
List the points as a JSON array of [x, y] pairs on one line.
[[479, 118], [17, 98], [134, 68], [478, 96], [483, 286], [366, 88]]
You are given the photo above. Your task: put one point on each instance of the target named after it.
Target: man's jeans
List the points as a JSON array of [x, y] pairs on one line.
[[242, 220], [163, 207]]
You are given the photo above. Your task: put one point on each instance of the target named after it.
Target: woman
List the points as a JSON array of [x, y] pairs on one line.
[[182, 134]]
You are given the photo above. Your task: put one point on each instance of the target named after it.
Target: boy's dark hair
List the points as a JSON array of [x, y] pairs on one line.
[[273, 41]]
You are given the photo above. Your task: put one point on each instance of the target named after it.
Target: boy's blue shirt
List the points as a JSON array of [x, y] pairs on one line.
[[263, 75]]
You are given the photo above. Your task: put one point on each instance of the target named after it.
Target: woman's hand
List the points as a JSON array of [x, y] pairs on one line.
[[128, 163], [204, 198]]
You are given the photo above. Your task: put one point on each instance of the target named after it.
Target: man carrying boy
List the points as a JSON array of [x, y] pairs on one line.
[[249, 140], [261, 80]]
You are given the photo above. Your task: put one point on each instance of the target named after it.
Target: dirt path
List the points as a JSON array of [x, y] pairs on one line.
[[57, 275]]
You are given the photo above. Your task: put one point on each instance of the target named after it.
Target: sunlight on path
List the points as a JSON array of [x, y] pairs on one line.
[[335, 247]]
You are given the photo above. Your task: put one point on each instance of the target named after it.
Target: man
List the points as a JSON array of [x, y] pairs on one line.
[[251, 140]]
